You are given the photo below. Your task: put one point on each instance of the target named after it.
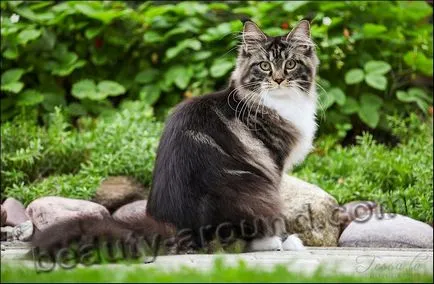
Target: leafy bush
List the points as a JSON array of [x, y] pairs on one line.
[[58, 159], [399, 178], [62, 160], [89, 56]]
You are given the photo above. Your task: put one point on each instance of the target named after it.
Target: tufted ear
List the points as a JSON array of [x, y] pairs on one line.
[[252, 35], [301, 31]]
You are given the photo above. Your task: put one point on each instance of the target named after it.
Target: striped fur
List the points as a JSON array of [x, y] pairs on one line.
[[222, 155]]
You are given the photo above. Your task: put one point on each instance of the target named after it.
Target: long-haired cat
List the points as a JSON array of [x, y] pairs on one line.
[[221, 157]]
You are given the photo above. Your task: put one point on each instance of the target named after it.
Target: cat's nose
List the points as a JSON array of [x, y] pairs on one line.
[[278, 80]]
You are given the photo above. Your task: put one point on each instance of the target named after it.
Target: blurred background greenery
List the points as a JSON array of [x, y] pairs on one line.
[[91, 56], [117, 68]]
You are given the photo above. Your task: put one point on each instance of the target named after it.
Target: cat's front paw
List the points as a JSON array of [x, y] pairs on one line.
[[266, 244], [294, 243]]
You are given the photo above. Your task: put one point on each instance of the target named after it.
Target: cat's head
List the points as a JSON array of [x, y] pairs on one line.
[[267, 64]]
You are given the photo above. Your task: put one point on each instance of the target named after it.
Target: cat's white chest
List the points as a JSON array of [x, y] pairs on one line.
[[299, 109]]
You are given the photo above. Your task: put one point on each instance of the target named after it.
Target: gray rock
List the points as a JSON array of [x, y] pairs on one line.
[[60, 220], [24, 231], [115, 192], [4, 216], [311, 212], [355, 210], [133, 214], [16, 213], [387, 231]]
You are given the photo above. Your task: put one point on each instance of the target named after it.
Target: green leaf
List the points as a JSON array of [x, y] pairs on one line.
[[29, 98], [97, 96], [12, 75], [27, 35], [371, 101], [14, 87], [11, 53], [415, 10], [419, 93], [110, 88], [338, 95], [422, 105], [418, 61], [84, 89], [183, 79], [404, 97], [373, 30], [150, 94], [221, 67], [152, 37], [369, 116], [354, 76], [105, 16], [376, 81], [351, 106], [377, 67], [216, 33], [413, 95], [179, 74], [66, 69], [92, 32], [201, 55], [187, 43], [146, 76]]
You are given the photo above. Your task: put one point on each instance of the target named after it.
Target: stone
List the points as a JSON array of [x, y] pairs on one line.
[[310, 212], [133, 215], [355, 210], [117, 191], [60, 220], [387, 231], [16, 212], [24, 231], [4, 215]]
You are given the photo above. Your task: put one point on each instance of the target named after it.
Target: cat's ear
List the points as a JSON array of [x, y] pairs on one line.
[[252, 35], [301, 31]]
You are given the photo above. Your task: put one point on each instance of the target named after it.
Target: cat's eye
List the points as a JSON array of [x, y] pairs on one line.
[[265, 66], [290, 64]]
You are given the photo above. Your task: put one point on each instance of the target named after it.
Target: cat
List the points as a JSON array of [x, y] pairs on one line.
[[222, 155]]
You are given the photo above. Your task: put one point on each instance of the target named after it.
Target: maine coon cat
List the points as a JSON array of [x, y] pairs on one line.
[[221, 157]]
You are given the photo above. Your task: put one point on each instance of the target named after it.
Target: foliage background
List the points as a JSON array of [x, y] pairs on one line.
[[376, 57], [116, 68]]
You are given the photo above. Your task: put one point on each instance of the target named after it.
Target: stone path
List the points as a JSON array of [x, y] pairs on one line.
[[341, 260]]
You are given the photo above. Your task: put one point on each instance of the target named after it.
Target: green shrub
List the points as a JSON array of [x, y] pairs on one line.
[[399, 178], [89, 56], [61, 160]]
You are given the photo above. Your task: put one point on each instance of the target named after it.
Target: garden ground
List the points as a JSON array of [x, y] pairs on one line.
[[315, 264]]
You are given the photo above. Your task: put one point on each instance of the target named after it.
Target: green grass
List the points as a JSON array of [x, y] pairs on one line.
[[71, 161], [59, 159], [399, 178], [219, 273]]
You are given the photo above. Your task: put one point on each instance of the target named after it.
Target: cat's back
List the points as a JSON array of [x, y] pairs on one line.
[[198, 112]]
